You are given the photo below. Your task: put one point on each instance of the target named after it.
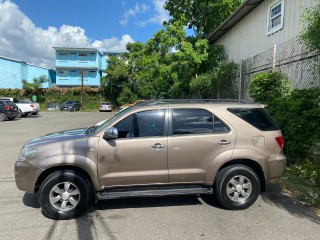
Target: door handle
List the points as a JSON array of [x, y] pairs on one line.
[[224, 142], [158, 146]]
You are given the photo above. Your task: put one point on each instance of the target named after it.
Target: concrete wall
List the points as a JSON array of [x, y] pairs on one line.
[[13, 71]]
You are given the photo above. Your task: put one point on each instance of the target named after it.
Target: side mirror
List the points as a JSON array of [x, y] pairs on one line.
[[110, 134]]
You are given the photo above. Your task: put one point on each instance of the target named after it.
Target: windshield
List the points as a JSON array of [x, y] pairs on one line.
[[69, 102], [114, 118]]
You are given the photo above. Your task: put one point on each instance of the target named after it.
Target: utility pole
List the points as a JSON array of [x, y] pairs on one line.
[[82, 72]]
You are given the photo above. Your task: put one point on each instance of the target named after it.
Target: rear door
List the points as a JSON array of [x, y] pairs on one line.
[[197, 138]]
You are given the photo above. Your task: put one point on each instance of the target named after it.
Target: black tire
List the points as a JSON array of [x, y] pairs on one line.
[[34, 114], [2, 117], [236, 187], [20, 114], [74, 204]]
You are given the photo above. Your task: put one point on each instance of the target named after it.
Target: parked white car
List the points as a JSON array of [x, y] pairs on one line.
[[105, 106], [24, 108], [35, 105]]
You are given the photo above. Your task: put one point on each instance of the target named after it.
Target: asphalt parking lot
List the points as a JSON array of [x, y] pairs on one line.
[[274, 216]]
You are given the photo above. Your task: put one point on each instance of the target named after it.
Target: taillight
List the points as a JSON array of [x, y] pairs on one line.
[[31, 105], [7, 107], [280, 141]]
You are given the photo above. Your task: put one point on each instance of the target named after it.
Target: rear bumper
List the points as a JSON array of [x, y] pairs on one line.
[[277, 165], [11, 114]]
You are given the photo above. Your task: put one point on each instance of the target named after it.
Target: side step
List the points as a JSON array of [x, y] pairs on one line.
[[156, 191]]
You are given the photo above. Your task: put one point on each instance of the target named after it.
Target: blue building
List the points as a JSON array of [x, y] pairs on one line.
[[13, 71], [76, 64]]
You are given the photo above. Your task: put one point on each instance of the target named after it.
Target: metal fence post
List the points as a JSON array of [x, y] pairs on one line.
[[240, 80], [274, 58]]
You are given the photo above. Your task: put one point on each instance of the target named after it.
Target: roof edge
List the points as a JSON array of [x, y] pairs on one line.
[[242, 11]]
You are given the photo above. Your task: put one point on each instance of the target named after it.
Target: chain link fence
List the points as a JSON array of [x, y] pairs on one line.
[[291, 58]]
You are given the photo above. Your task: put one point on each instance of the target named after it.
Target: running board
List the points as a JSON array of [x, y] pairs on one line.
[[154, 191]]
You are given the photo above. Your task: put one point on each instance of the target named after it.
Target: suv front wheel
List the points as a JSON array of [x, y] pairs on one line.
[[237, 187], [65, 195]]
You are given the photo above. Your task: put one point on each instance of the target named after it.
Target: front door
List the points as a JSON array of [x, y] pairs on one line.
[[139, 155]]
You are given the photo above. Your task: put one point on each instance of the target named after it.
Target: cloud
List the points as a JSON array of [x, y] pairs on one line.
[[138, 9], [21, 39], [160, 15], [112, 44]]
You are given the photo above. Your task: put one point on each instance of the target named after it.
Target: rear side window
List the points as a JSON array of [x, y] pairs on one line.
[[257, 117], [196, 121]]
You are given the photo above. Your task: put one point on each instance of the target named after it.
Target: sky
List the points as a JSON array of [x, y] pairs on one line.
[[30, 28]]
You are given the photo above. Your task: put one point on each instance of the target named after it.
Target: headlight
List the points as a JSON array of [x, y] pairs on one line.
[[27, 153]]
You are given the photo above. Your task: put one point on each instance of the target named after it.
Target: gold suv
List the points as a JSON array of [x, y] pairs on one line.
[[225, 149]]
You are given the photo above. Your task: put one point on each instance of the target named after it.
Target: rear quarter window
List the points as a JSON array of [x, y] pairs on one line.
[[257, 117]]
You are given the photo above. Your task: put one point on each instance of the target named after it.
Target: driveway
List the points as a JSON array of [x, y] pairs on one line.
[[274, 215]]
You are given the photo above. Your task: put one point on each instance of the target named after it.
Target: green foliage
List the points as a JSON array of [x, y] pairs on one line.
[[116, 79], [201, 85], [297, 112], [218, 83], [126, 96], [203, 16], [311, 27], [223, 81], [165, 64], [268, 86], [37, 83], [300, 181], [307, 170], [298, 117], [92, 96]]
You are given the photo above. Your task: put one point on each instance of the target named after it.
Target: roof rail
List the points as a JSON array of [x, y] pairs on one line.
[[181, 101]]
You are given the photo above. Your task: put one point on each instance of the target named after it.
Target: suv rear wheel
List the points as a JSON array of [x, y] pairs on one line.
[[2, 117], [65, 195], [237, 187]]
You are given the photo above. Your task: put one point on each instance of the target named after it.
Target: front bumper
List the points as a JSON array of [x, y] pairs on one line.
[[26, 176]]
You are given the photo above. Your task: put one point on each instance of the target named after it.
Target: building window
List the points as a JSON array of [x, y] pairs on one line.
[[275, 17], [63, 72], [83, 54], [64, 54]]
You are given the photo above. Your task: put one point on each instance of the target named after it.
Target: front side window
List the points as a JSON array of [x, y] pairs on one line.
[[142, 124], [275, 17], [196, 121]]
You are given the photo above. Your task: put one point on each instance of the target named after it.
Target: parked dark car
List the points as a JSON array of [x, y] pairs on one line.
[[71, 105], [8, 110]]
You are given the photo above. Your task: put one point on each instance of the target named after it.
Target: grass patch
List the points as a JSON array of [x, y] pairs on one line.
[[303, 183]]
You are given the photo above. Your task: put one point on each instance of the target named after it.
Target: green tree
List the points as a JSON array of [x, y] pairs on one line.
[[311, 27], [36, 84], [266, 87], [203, 16], [116, 79], [165, 64], [34, 88]]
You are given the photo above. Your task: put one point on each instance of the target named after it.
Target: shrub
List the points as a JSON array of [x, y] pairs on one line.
[[298, 117], [268, 86]]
